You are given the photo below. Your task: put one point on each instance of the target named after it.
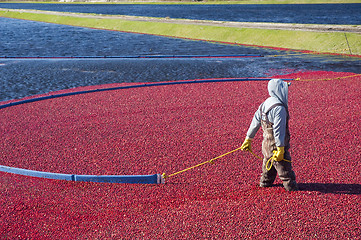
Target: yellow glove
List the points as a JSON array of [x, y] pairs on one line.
[[246, 145], [278, 154]]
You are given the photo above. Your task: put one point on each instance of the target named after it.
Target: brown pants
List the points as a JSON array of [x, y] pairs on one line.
[[283, 168]]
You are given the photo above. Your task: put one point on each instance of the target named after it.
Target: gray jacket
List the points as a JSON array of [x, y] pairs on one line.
[[278, 91]]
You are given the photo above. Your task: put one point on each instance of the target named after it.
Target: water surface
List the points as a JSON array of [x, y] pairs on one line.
[[26, 77]]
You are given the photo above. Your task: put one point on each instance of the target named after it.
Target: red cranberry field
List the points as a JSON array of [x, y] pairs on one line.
[[160, 129]]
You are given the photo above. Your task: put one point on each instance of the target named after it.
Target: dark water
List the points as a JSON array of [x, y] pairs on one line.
[[28, 38], [282, 13], [20, 78]]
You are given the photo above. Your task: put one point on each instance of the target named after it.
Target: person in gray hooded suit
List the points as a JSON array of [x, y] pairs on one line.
[[272, 115]]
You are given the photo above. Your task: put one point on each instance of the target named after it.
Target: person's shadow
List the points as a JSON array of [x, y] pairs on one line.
[[337, 188]]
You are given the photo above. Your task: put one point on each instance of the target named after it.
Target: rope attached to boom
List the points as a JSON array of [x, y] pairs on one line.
[[328, 79], [165, 176], [268, 164]]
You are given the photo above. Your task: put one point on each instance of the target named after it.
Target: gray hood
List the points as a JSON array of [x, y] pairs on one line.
[[278, 89]]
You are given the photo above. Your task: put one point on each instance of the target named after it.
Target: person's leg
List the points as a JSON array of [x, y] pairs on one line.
[[268, 176], [286, 174]]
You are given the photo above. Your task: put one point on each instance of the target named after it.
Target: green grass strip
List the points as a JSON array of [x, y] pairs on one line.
[[333, 42]]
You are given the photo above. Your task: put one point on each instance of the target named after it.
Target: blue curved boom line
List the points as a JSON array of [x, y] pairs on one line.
[[131, 86]]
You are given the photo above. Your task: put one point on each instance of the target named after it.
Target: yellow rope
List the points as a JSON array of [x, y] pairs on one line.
[[327, 79], [255, 155], [270, 161], [200, 164], [268, 164]]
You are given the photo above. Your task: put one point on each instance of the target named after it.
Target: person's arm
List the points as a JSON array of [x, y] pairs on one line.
[[255, 125], [279, 114], [252, 130]]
